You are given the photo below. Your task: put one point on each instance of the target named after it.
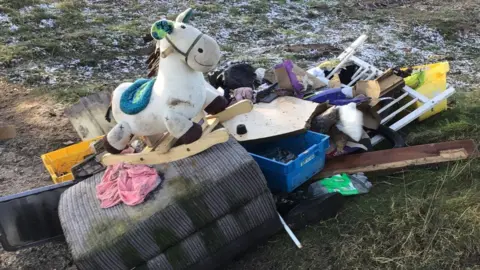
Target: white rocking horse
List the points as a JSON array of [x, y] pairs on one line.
[[173, 101]]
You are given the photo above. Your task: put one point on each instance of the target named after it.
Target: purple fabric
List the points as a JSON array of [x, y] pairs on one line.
[[328, 95], [335, 96], [297, 86], [341, 102]]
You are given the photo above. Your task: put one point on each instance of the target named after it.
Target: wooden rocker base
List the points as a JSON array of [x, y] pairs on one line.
[[176, 153], [162, 151]]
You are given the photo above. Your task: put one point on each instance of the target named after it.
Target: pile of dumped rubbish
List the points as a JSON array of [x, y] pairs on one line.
[[363, 105], [313, 133]]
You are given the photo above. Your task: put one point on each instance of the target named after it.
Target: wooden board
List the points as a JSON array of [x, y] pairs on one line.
[[241, 107], [282, 116], [176, 153], [88, 115], [7, 132], [389, 81], [399, 158]]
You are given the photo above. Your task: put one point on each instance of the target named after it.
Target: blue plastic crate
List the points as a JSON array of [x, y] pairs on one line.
[[310, 148]]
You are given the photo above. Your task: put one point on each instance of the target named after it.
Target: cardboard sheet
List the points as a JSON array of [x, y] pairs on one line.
[[370, 89], [281, 116]]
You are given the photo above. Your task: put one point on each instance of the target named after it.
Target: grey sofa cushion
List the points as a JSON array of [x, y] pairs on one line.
[[201, 244], [196, 191]]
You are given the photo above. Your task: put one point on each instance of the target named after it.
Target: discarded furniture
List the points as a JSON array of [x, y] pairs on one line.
[[367, 71], [212, 206]]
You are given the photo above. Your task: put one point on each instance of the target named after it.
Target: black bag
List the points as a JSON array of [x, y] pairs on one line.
[[232, 75]]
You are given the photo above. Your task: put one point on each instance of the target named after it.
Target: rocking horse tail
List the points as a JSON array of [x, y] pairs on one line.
[[118, 138]]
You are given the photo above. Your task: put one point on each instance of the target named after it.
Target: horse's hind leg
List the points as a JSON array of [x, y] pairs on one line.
[[118, 138], [214, 102], [182, 128]]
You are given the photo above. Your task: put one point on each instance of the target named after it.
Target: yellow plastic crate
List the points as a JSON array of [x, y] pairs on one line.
[[59, 163]]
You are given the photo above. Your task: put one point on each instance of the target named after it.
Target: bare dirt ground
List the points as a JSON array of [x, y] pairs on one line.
[[41, 127]]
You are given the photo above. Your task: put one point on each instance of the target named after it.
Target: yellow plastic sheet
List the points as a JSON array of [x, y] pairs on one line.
[[429, 80]]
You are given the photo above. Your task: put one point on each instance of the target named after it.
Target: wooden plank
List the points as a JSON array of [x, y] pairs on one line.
[[7, 132], [88, 115], [241, 107], [176, 153], [389, 81], [283, 115], [399, 158]]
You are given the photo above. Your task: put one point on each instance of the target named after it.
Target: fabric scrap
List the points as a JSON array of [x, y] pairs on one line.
[[126, 183], [241, 94]]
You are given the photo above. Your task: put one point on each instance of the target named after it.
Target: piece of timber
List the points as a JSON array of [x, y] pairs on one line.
[[175, 153], [210, 125], [241, 107], [284, 115], [88, 115], [7, 132], [399, 158]]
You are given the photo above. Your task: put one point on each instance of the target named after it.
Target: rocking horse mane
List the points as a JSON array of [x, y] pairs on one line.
[[153, 61], [153, 56]]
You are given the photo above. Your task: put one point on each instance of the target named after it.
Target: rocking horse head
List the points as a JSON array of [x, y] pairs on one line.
[[199, 51]]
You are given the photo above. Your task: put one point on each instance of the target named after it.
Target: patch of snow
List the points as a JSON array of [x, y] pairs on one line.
[[427, 35], [12, 40], [13, 28], [93, 41], [25, 10], [74, 62], [47, 23], [4, 18], [52, 80], [47, 6], [53, 69]]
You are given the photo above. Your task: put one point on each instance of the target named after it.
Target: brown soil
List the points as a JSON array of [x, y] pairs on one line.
[[41, 127]]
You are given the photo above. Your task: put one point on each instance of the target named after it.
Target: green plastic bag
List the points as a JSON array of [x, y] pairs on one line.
[[339, 183]]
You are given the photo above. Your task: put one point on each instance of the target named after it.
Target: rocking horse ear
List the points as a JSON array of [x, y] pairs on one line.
[[185, 16], [161, 29]]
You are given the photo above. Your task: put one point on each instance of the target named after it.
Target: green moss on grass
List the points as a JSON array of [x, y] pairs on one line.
[[10, 52]]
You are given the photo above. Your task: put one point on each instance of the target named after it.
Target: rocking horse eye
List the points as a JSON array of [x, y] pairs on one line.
[[200, 50], [183, 26]]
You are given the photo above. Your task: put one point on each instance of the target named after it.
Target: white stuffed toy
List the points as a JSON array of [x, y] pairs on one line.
[[178, 93], [351, 121]]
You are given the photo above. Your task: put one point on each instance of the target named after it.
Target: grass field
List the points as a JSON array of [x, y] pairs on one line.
[[426, 218]]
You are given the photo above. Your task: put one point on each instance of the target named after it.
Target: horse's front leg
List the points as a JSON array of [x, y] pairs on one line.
[[182, 128], [214, 102], [118, 138]]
